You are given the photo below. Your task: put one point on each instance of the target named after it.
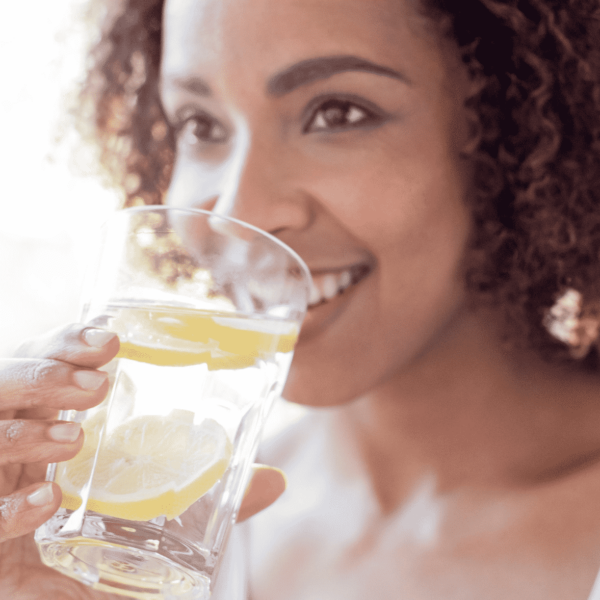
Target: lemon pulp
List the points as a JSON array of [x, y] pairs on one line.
[[176, 337], [150, 465], [147, 467]]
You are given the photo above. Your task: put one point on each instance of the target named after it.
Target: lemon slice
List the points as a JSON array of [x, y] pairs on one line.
[[147, 467], [171, 337]]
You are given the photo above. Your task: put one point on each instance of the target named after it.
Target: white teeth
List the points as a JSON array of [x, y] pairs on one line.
[[314, 296], [326, 287], [345, 280], [329, 286]]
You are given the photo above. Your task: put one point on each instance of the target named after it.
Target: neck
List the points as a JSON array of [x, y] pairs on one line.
[[469, 413]]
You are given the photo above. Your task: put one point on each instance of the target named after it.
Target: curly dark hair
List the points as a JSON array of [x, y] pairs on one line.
[[537, 201]]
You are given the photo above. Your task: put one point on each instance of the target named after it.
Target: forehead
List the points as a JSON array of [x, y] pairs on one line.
[[263, 36]]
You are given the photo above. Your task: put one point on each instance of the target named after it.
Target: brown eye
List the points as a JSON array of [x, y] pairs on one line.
[[201, 129], [339, 114]]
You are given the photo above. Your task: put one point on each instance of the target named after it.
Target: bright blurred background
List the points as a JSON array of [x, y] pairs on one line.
[[51, 203], [49, 208]]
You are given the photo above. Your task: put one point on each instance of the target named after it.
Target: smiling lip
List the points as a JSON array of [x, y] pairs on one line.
[[322, 314], [328, 284]]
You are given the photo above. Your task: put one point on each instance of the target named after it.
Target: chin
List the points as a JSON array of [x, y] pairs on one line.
[[318, 384]]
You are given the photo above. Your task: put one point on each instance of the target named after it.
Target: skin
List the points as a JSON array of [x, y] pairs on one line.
[[387, 193], [427, 390], [430, 394]]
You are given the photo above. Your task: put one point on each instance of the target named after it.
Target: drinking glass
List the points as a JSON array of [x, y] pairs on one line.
[[207, 310]]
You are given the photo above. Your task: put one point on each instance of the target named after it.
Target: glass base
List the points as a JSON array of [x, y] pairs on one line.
[[119, 570], [135, 567]]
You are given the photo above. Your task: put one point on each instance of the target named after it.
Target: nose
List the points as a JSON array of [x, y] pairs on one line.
[[260, 186]]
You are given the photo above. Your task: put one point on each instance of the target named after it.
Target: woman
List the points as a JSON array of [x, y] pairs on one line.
[[437, 166]]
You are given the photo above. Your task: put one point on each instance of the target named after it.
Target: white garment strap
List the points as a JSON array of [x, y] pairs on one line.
[[232, 579], [595, 593]]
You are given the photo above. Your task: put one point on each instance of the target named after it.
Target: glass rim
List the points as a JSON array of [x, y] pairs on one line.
[[208, 213]]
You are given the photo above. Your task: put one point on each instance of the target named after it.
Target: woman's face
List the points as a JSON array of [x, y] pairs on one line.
[[336, 125]]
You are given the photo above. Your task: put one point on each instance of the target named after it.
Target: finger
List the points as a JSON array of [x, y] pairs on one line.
[[13, 477], [38, 441], [78, 344], [32, 383], [266, 485], [23, 511], [36, 412]]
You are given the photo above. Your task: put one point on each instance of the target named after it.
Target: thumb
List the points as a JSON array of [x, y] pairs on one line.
[[265, 486]]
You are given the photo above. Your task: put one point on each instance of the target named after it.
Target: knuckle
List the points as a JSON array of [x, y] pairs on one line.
[[14, 431], [26, 383], [40, 372], [9, 508], [35, 378]]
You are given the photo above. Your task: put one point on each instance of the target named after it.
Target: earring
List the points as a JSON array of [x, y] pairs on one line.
[[568, 321]]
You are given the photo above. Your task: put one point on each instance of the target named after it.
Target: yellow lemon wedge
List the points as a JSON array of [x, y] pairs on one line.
[[147, 466], [171, 337]]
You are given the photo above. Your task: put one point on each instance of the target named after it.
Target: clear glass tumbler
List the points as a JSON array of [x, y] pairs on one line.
[[207, 310]]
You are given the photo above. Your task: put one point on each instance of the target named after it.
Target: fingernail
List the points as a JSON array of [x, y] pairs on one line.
[[97, 338], [65, 432], [89, 380], [43, 495]]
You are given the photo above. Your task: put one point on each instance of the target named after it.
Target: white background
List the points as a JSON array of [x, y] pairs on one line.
[[49, 210]]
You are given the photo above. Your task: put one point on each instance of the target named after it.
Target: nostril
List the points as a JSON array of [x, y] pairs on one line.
[[277, 231]]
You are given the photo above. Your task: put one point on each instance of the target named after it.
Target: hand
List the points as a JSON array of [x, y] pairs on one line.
[[59, 372]]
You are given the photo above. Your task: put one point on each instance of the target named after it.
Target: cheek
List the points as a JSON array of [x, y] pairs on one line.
[[410, 212], [395, 196]]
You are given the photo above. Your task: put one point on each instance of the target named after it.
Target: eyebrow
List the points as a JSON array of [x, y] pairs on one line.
[[314, 69], [193, 84], [302, 73]]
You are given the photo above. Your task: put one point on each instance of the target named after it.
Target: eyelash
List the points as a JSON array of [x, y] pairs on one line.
[[349, 114], [187, 125], [344, 110]]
